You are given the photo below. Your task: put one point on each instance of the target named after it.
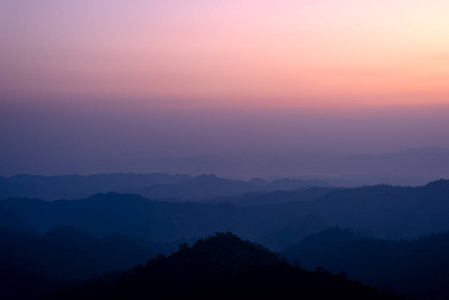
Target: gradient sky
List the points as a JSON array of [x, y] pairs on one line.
[[227, 53], [84, 83]]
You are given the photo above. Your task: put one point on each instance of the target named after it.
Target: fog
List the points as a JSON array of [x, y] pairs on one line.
[[54, 138]]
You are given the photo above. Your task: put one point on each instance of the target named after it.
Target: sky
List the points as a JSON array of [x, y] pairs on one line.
[[84, 80], [232, 53]]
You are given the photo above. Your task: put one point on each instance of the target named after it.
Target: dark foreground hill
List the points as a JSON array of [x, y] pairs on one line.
[[225, 267], [418, 269]]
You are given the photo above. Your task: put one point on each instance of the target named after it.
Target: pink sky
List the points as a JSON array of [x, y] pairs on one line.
[[325, 53]]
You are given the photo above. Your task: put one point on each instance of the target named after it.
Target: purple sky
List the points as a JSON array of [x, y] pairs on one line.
[[91, 137], [114, 85]]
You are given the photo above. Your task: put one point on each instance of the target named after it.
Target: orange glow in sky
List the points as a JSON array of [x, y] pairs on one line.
[[228, 53]]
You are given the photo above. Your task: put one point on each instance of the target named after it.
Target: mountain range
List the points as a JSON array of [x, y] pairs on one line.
[[382, 211], [51, 242], [155, 186], [223, 267], [418, 269]]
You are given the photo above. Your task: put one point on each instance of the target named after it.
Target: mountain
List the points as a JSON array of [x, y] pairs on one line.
[[61, 255], [275, 197], [198, 188], [388, 211], [211, 187], [77, 186], [158, 186], [287, 184], [382, 211], [418, 269], [224, 267]]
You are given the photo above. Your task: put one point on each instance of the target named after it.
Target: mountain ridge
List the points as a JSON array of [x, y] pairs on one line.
[[224, 266], [162, 186]]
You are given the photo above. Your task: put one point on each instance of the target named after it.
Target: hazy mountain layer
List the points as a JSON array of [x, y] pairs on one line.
[[418, 269], [381, 211], [154, 186]]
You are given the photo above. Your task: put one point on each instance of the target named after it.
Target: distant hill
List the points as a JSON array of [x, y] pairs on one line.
[[103, 214], [198, 188], [159, 186], [418, 269], [225, 267], [382, 211], [305, 194], [77, 186], [287, 184], [210, 187], [388, 211]]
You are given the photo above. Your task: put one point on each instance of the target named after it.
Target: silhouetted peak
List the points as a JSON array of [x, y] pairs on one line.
[[227, 249], [258, 181], [206, 178], [225, 267], [441, 184], [225, 241]]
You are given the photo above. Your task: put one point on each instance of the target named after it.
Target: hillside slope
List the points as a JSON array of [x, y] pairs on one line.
[[418, 269], [225, 267]]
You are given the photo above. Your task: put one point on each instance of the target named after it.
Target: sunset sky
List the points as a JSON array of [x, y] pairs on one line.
[[83, 80], [228, 53]]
